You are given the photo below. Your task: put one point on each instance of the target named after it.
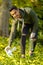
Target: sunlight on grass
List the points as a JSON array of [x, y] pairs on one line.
[[37, 59]]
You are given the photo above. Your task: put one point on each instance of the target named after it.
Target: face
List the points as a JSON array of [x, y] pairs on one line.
[[15, 13]]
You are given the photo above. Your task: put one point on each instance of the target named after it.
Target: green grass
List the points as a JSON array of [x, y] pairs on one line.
[[37, 59]]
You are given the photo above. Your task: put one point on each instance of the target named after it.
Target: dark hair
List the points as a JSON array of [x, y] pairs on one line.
[[13, 7]]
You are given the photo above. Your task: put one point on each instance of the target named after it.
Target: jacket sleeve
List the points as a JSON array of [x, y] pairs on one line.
[[35, 20], [12, 33]]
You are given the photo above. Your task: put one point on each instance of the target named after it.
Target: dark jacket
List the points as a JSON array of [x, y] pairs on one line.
[[28, 17]]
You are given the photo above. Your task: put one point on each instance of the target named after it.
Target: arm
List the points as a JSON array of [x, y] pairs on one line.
[[12, 34], [35, 20]]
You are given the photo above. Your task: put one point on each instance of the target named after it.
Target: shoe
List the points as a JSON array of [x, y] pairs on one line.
[[8, 51], [22, 56]]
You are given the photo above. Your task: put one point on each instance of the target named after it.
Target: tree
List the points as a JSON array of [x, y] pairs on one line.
[[4, 17]]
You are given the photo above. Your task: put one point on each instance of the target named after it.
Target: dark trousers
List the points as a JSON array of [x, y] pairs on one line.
[[25, 31]]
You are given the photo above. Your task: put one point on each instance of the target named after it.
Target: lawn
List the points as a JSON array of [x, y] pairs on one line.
[[37, 58]]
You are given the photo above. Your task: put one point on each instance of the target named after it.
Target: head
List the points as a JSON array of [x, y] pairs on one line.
[[14, 12]]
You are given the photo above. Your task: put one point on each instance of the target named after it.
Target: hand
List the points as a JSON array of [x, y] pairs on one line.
[[32, 35]]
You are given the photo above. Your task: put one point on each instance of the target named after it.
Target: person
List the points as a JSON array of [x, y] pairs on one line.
[[29, 20]]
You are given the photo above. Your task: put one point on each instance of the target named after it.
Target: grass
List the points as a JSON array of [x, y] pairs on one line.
[[37, 59]]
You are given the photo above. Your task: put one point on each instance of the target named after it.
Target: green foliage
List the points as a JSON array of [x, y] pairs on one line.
[[0, 2], [37, 59]]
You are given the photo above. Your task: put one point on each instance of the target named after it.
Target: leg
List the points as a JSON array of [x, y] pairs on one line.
[[23, 38]]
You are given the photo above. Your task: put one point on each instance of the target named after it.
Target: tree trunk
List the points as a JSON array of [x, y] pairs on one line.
[[4, 18]]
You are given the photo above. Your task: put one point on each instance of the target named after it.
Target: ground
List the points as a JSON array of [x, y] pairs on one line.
[[37, 58]]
